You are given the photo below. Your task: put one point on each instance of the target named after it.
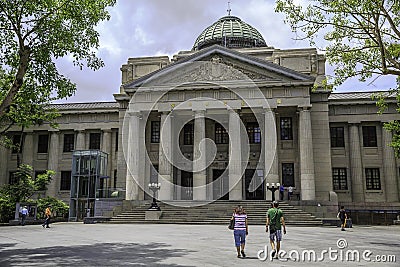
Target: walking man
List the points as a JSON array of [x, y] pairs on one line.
[[281, 191], [47, 215], [24, 213], [342, 215], [274, 223]]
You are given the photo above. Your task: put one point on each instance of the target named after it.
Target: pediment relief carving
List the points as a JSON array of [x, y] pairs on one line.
[[216, 68]]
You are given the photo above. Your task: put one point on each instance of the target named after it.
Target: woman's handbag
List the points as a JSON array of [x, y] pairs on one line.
[[232, 224]]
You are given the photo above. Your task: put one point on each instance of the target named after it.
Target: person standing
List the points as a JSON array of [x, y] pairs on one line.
[[281, 191], [240, 230], [24, 213], [290, 192], [342, 215], [47, 215], [275, 222]]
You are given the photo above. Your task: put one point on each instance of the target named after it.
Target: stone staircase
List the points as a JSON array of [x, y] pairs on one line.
[[218, 212]]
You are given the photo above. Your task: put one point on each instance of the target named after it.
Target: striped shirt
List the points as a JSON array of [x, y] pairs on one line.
[[240, 221]]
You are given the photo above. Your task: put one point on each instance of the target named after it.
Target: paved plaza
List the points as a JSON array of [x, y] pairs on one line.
[[78, 244]]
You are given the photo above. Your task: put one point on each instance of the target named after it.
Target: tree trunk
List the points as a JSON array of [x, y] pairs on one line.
[[24, 58]]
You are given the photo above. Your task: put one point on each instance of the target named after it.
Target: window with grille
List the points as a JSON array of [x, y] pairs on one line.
[[43, 143], [69, 142], [94, 141], [373, 179], [337, 137], [17, 144], [221, 136], [65, 183], [339, 176], [155, 132], [369, 136], [13, 179], [286, 128], [253, 132], [188, 134], [288, 174]]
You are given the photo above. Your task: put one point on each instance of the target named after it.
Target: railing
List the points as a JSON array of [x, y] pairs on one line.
[[373, 217], [117, 193]]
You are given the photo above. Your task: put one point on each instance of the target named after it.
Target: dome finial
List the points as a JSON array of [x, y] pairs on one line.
[[229, 9]]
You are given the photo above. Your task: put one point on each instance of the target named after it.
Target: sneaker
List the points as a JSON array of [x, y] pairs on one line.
[[343, 229], [273, 253], [243, 255], [238, 255]]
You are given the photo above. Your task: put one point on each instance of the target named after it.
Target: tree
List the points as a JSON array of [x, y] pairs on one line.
[[25, 186], [363, 41], [33, 35]]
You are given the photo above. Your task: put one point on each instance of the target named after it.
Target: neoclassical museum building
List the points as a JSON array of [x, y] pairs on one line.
[[224, 120]]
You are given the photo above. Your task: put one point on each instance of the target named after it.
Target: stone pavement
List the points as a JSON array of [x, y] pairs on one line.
[[78, 244]]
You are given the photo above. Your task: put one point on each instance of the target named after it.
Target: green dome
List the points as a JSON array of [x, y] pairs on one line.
[[231, 32]]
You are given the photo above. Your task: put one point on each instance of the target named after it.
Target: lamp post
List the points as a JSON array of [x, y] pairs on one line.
[[273, 188], [154, 187]]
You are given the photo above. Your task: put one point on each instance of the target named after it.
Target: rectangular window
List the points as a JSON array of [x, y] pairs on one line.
[[12, 178], [115, 178], [339, 176], [288, 174], [65, 180], [254, 133], [373, 179], [337, 137], [43, 143], [94, 141], [286, 128], [17, 143], [188, 134], [69, 142], [221, 136], [155, 132], [116, 141], [369, 136]]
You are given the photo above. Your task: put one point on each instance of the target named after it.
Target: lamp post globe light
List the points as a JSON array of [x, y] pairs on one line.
[[273, 188], [154, 187]]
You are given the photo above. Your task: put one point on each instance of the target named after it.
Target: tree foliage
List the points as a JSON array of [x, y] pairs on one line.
[[22, 190], [33, 34], [362, 36]]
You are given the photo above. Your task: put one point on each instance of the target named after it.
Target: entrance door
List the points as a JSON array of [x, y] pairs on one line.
[[252, 191], [220, 185], [186, 185]]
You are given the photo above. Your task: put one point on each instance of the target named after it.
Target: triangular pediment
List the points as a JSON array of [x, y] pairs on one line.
[[219, 64]]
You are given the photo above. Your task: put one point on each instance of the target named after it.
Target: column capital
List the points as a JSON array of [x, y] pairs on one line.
[[134, 113], [304, 108]]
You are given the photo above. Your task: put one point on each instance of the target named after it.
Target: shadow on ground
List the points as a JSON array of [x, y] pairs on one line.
[[100, 254]]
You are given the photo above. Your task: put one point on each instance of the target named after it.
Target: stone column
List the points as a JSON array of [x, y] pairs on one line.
[[199, 157], [235, 157], [356, 164], [3, 163], [52, 163], [307, 178], [27, 149], [389, 168], [132, 157], [80, 140], [106, 147], [271, 169], [164, 158]]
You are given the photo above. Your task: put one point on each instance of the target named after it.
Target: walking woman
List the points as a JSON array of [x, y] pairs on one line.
[[240, 230]]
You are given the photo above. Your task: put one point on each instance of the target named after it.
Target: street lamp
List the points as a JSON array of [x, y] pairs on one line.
[[273, 188], [154, 187]]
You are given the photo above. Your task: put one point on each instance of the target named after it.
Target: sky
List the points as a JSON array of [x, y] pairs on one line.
[[140, 28]]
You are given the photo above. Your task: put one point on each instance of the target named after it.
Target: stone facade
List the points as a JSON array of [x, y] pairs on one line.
[[258, 108]]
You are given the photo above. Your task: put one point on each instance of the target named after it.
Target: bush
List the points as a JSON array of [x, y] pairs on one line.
[[58, 207]]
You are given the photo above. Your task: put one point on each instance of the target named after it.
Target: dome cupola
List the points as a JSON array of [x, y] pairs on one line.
[[231, 32]]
